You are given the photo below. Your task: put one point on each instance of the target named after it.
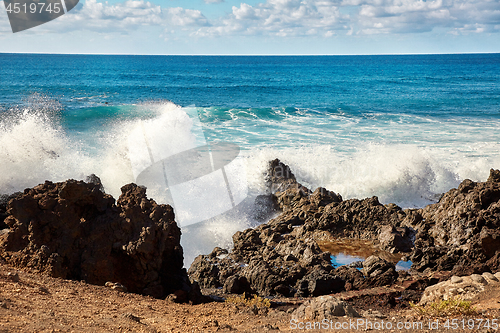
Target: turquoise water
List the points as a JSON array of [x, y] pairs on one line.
[[403, 128], [342, 259]]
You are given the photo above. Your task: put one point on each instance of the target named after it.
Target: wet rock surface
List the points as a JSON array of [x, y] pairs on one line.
[[4, 200], [297, 267], [282, 256], [73, 230], [270, 258]]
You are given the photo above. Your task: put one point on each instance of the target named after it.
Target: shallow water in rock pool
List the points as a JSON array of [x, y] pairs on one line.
[[348, 251]]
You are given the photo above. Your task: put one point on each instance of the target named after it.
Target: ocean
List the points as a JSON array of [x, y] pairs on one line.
[[405, 128]]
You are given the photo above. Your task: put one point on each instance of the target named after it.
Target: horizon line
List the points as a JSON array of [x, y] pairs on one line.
[[249, 55]]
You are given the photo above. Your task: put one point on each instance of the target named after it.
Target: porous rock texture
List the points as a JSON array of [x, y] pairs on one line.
[[73, 230], [323, 307], [461, 232], [268, 259], [281, 256], [465, 287]]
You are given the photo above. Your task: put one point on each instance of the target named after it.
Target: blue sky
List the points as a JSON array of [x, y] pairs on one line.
[[264, 27]]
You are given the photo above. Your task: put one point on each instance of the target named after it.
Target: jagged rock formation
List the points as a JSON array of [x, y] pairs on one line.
[[75, 231], [288, 268], [270, 259], [4, 200], [281, 257], [461, 232]]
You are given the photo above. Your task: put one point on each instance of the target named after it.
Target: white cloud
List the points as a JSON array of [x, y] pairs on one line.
[[280, 18], [284, 18], [184, 17], [326, 17], [120, 17], [403, 16], [123, 17]]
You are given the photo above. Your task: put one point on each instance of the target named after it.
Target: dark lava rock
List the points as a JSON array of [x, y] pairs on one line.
[[355, 218], [394, 239], [279, 177], [281, 257], [352, 277], [374, 266], [271, 264], [236, 284], [4, 200], [75, 231], [460, 232], [490, 241], [93, 179], [265, 207], [318, 282]]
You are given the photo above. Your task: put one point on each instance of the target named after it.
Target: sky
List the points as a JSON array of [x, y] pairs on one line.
[[263, 27]]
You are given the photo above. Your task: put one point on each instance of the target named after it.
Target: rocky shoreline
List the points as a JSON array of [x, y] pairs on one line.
[[456, 236], [73, 230]]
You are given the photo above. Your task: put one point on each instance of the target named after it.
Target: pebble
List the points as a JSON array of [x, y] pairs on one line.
[[490, 276], [478, 278], [13, 276], [132, 317], [116, 286]]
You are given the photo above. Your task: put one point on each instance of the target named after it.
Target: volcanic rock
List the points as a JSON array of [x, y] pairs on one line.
[[279, 177], [394, 239], [269, 265], [460, 232], [465, 287], [282, 257], [323, 307], [4, 200], [318, 282], [73, 230], [374, 266], [352, 277], [236, 284]]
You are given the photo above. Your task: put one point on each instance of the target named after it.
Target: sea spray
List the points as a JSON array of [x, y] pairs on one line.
[[34, 147], [406, 175], [42, 140]]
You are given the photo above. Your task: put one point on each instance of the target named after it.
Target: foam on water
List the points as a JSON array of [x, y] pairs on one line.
[[355, 155], [34, 147]]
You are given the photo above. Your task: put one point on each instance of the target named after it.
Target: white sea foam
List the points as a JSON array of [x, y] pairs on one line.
[[35, 147], [408, 175]]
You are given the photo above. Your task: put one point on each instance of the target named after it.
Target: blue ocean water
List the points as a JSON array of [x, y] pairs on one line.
[[402, 127]]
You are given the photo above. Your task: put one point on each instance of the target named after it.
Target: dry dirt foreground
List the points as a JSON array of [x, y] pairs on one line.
[[31, 302]]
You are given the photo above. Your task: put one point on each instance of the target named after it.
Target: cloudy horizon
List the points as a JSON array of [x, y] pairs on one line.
[[264, 27]]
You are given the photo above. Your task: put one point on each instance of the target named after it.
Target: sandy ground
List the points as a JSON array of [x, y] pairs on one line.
[[31, 302]]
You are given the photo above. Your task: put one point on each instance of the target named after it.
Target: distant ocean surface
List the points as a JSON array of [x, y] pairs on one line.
[[404, 128]]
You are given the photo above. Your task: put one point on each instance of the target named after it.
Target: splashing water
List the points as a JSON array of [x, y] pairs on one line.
[[40, 140]]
